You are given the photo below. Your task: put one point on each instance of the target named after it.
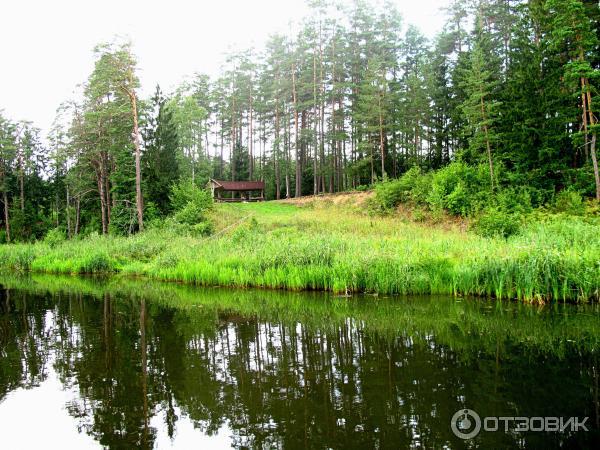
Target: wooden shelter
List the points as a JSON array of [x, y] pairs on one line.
[[236, 191]]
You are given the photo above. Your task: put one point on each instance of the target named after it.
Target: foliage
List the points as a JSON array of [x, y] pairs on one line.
[[494, 222], [412, 186], [191, 205], [54, 237], [569, 201]]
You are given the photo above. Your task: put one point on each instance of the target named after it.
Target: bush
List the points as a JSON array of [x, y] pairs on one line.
[[459, 188], [494, 222], [190, 214], [97, 263], [412, 186], [515, 200], [187, 192], [191, 205], [54, 237], [570, 202]]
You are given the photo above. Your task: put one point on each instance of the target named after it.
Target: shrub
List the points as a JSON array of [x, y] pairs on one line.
[[421, 187], [570, 202], [493, 222], [187, 192], [191, 205], [191, 214], [460, 189], [515, 200], [54, 237], [412, 186]]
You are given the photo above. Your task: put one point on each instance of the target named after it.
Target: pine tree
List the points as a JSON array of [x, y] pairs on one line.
[[572, 34], [480, 108], [160, 158]]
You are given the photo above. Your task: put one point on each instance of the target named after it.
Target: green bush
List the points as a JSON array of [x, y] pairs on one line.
[[191, 205], [187, 192], [494, 222], [191, 214], [515, 199], [459, 188], [421, 187], [570, 202], [54, 237], [412, 186]]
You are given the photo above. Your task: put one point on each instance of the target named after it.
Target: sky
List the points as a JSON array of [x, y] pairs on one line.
[[47, 44]]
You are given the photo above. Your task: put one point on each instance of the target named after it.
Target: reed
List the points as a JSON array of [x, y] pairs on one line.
[[338, 249]]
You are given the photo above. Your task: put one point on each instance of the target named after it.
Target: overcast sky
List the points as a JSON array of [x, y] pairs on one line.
[[47, 44]]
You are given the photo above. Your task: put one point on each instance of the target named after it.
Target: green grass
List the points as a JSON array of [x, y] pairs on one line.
[[336, 248]]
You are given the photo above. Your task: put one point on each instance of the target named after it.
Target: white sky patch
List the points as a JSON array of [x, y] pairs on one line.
[[47, 45]]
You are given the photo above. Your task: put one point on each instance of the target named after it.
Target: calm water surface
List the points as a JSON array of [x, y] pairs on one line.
[[96, 363]]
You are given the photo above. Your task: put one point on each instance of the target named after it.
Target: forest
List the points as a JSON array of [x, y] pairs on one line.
[[490, 125], [502, 99]]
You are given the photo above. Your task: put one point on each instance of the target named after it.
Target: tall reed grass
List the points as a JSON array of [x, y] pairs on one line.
[[336, 249]]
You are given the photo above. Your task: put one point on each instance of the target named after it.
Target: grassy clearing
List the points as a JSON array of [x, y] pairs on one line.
[[332, 246]]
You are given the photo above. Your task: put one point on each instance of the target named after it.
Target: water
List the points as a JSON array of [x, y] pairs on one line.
[[122, 364]]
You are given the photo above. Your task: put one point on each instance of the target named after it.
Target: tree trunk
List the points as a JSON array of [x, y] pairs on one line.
[[287, 142], [487, 142], [100, 180], [138, 168], [77, 215], [276, 151], [316, 138], [592, 122], [6, 216], [68, 214], [381, 146], [595, 165], [250, 138], [106, 181], [584, 118], [222, 145], [298, 190], [21, 182]]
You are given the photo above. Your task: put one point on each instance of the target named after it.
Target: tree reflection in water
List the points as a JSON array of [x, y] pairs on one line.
[[289, 379]]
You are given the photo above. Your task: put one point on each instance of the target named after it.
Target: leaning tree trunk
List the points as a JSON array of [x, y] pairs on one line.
[[593, 122], [487, 142], [595, 165]]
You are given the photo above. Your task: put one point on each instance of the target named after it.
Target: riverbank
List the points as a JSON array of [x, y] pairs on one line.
[[334, 246]]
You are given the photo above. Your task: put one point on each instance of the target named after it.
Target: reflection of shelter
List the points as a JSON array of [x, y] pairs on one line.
[[245, 189]]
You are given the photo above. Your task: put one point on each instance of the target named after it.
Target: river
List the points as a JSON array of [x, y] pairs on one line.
[[114, 363]]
